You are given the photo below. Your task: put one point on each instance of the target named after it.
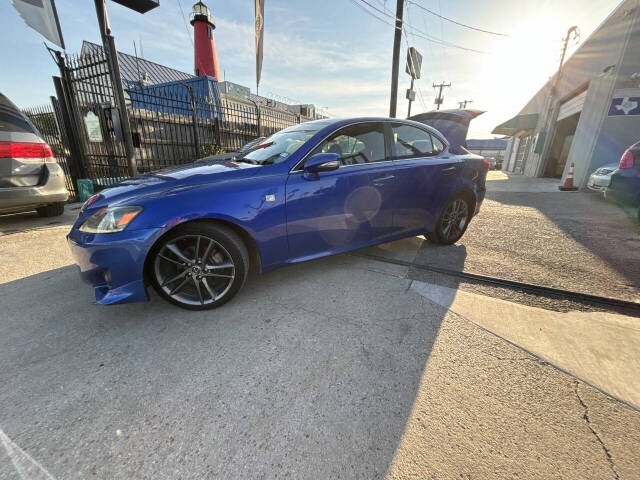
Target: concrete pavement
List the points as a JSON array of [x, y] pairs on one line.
[[335, 368], [600, 348]]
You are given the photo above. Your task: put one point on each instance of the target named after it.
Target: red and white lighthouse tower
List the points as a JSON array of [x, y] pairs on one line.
[[205, 55]]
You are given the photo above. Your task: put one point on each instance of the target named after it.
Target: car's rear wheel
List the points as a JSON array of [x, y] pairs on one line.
[[53, 210], [199, 266], [453, 221]]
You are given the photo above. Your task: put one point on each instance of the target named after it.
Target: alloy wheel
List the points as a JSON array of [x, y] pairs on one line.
[[454, 219], [194, 270]]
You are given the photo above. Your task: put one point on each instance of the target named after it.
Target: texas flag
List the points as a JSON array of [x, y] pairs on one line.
[[41, 15], [625, 106]]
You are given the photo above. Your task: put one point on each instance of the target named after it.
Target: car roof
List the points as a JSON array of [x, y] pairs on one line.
[[344, 121]]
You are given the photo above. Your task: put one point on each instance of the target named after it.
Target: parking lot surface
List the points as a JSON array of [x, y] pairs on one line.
[[337, 368]]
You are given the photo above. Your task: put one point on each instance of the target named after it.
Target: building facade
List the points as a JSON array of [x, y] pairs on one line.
[[494, 148], [587, 114]]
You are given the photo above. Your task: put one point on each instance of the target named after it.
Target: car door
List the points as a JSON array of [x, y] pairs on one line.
[[350, 206], [426, 177]]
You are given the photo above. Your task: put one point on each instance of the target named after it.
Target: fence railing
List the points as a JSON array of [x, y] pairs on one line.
[[172, 127], [45, 120], [171, 124]]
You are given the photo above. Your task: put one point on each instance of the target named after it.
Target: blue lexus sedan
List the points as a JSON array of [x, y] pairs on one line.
[[311, 190]]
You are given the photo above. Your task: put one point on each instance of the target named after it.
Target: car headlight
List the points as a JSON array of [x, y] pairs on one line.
[[110, 219]]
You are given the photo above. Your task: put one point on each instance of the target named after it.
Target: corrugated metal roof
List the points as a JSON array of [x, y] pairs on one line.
[[133, 68]]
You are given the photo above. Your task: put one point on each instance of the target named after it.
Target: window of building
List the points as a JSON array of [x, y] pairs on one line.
[[209, 31], [356, 144]]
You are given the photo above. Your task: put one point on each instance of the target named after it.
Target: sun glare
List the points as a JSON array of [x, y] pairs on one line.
[[534, 48]]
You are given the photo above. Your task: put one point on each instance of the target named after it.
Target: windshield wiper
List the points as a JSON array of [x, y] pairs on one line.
[[244, 160]]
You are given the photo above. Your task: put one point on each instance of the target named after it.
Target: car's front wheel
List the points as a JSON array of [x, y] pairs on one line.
[[453, 221], [199, 266]]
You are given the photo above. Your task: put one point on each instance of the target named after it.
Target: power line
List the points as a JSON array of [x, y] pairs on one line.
[[456, 22], [444, 43], [369, 12], [419, 33], [184, 19]]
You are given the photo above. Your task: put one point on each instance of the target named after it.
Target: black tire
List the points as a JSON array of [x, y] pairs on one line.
[[206, 281], [53, 210], [453, 221]]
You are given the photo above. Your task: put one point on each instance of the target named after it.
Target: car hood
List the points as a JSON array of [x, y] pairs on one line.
[[171, 180], [453, 124]]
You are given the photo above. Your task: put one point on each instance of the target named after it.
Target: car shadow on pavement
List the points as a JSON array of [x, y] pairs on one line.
[[312, 371], [26, 221]]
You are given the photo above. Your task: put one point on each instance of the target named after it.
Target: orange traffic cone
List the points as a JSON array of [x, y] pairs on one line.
[[568, 182]]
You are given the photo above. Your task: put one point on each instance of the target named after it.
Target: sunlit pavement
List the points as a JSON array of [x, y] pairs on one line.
[[338, 368]]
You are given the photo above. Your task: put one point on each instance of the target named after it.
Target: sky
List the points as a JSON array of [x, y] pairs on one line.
[[332, 53]]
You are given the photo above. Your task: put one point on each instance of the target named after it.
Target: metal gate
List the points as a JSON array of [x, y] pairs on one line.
[[96, 120], [170, 123], [47, 120]]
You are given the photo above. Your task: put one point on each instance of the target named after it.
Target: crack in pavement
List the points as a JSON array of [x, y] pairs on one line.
[[595, 434], [518, 359]]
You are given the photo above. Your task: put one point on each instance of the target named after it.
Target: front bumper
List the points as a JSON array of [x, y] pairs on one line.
[[598, 183], [113, 263]]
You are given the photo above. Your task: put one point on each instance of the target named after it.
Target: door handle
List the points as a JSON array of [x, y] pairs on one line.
[[381, 179], [448, 170]]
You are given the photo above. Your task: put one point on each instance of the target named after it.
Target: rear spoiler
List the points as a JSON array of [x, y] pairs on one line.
[[453, 124]]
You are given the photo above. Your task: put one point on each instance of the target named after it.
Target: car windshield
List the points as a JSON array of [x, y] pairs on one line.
[[279, 146]]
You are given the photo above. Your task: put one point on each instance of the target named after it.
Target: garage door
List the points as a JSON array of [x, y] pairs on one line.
[[572, 106]]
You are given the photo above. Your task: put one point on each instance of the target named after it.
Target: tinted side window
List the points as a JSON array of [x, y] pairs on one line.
[[356, 144], [410, 142], [438, 145]]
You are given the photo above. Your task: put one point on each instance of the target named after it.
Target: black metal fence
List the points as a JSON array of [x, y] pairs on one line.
[[170, 126], [45, 119], [176, 127]]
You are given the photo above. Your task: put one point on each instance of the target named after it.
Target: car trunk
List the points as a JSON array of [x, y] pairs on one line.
[[21, 172], [22, 152], [453, 124]]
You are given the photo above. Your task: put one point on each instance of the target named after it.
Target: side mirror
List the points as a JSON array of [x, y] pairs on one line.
[[321, 162]]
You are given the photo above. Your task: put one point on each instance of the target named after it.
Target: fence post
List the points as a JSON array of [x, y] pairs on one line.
[[72, 159], [70, 125], [258, 116], [194, 119]]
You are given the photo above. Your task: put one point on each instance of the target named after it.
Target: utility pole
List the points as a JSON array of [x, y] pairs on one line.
[[439, 98], [463, 103], [413, 68], [397, 39], [109, 46], [411, 96], [552, 111], [565, 43]]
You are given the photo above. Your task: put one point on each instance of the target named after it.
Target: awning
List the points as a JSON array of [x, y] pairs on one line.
[[521, 122]]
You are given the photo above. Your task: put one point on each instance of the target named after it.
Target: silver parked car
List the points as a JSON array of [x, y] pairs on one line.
[[30, 178], [601, 178]]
